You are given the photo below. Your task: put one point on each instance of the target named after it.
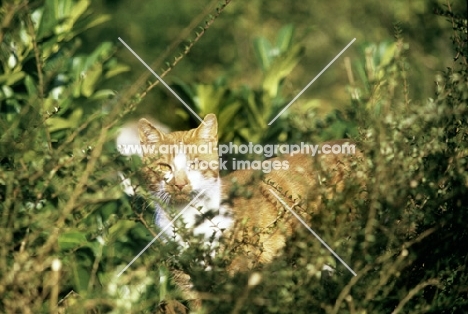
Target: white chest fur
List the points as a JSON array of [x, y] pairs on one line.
[[193, 217]]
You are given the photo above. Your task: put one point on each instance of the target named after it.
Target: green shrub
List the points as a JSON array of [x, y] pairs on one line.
[[69, 229]]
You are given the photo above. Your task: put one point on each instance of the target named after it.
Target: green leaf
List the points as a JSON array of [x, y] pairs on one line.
[[91, 77], [100, 54], [108, 211], [97, 21], [30, 86], [262, 48], [82, 278], [60, 17], [49, 105], [103, 94], [12, 78], [284, 38], [68, 13], [120, 229], [183, 114], [386, 54], [280, 68], [71, 240], [185, 88], [208, 98], [256, 116], [116, 70], [57, 123], [227, 114], [48, 20], [163, 284], [64, 103], [74, 13], [6, 92]]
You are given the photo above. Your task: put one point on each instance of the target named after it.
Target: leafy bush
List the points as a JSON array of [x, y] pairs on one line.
[[59, 188], [69, 229]]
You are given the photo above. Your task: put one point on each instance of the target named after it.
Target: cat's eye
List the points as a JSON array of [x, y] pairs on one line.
[[191, 165], [164, 167]]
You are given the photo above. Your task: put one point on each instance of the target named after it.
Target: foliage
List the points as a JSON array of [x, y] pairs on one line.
[[243, 113], [68, 227], [59, 187], [227, 48]]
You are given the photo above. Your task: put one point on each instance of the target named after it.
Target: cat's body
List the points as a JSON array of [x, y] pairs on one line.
[[243, 206], [255, 200]]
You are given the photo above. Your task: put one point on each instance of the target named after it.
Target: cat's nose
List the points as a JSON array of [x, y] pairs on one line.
[[180, 186]]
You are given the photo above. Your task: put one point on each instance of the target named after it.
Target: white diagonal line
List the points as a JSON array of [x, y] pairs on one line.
[[308, 85], [312, 231], [161, 80], [160, 233]]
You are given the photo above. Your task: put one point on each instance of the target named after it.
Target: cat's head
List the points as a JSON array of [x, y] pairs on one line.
[[178, 165]]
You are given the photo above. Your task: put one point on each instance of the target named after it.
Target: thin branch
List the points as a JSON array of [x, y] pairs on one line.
[[78, 191], [414, 291], [39, 67]]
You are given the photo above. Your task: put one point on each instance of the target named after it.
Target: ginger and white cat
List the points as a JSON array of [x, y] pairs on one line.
[[242, 206], [175, 179]]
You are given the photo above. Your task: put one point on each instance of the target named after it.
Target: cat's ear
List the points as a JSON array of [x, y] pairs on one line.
[[148, 132], [209, 129]]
